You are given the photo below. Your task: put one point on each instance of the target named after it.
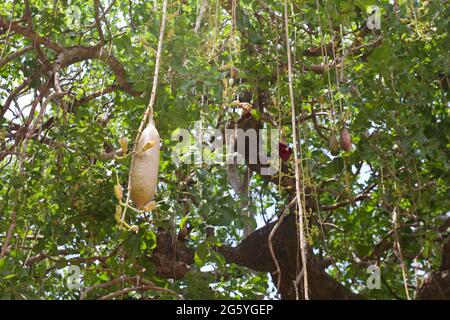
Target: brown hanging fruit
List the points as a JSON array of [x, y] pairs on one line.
[[346, 140], [333, 145], [144, 175]]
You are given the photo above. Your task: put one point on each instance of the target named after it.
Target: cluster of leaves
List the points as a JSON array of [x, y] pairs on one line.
[[391, 95]]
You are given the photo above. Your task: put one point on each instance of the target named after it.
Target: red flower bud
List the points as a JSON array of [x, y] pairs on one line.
[[284, 151]]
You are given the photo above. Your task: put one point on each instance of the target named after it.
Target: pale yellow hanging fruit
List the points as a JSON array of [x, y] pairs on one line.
[[124, 145], [150, 206], [118, 213], [134, 228], [118, 190], [145, 166]]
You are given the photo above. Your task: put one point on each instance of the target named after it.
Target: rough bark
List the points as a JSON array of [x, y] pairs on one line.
[[436, 285], [253, 252], [172, 258]]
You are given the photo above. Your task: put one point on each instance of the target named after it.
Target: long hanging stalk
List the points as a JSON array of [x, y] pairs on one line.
[[149, 111], [201, 12], [297, 171], [397, 245]]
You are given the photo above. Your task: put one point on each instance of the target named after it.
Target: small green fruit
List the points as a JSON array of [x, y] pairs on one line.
[[333, 145]]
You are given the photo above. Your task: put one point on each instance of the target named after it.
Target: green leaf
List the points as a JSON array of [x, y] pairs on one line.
[[201, 254]]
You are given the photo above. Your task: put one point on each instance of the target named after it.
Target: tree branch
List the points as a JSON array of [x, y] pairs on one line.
[[16, 54]]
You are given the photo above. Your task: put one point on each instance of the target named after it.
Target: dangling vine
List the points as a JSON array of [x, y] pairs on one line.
[[148, 114], [298, 191]]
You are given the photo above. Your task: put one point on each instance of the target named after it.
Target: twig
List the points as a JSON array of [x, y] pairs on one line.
[[362, 196], [24, 85], [16, 54], [136, 288], [146, 285], [101, 285], [95, 95], [124, 291]]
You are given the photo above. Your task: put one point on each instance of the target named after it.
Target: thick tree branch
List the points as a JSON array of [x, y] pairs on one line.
[[71, 55], [16, 54], [253, 252], [81, 53], [97, 21], [30, 34]]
